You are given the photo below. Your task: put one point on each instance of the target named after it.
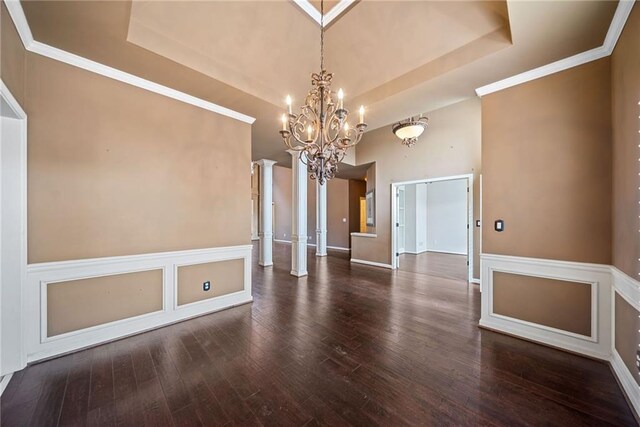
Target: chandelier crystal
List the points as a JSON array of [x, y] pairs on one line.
[[409, 130], [321, 131]]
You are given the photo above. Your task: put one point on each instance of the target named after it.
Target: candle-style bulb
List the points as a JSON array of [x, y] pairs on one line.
[[284, 121], [289, 103], [362, 114], [309, 130], [340, 99], [346, 128]]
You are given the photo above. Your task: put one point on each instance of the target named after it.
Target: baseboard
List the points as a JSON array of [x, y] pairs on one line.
[[554, 339], [476, 281], [5, 382], [446, 252], [626, 381], [372, 263], [39, 276], [413, 253]]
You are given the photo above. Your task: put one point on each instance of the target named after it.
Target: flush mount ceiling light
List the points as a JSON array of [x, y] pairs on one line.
[[409, 130], [320, 132]]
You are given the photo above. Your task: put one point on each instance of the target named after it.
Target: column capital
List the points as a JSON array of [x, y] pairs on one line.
[[265, 162]]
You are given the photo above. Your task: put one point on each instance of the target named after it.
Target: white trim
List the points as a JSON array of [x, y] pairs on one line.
[[474, 280], [470, 221], [597, 276], [372, 263], [626, 380], [627, 287], [21, 115], [20, 21], [5, 382], [446, 252], [336, 11], [40, 346], [215, 257], [370, 235], [329, 15], [615, 29]]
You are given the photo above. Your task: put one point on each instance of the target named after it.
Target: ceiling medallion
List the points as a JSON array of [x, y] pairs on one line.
[[409, 130], [321, 132]]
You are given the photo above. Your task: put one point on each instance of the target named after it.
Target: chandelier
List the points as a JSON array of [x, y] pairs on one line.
[[321, 132], [409, 130]]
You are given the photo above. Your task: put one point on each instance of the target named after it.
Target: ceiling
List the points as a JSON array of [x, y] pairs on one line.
[[398, 58]]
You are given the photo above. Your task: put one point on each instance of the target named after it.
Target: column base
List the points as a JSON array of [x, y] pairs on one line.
[[265, 264], [299, 273]]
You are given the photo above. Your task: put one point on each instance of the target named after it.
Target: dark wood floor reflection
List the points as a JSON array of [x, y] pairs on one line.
[[438, 264], [347, 345]]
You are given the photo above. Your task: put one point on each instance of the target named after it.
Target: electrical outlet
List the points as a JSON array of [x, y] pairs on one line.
[[206, 286]]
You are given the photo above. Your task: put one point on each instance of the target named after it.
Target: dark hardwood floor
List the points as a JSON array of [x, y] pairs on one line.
[[438, 264], [349, 344]]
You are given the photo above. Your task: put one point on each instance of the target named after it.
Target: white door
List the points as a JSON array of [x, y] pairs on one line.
[[401, 225], [12, 233]]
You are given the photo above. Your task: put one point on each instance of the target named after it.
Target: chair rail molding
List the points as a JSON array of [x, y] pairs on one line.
[[39, 276]]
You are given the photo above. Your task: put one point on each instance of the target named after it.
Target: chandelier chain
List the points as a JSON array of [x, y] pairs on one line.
[[321, 35]]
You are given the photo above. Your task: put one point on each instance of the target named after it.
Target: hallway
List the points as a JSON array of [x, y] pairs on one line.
[[348, 344], [437, 264]]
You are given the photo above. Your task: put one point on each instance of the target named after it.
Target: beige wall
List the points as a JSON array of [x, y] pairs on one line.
[[337, 208], [226, 277], [117, 170], [79, 304], [546, 158], [627, 338], [12, 56], [450, 146], [567, 304], [625, 95], [625, 69]]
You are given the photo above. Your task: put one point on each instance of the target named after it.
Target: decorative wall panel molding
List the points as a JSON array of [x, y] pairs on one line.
[[598, 277], [39, 276]]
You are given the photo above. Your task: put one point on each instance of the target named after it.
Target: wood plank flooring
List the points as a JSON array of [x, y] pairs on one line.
[[348, 345], [438, 264]]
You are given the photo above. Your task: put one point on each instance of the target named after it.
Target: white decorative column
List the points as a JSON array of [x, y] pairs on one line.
[[266, 213], [321, 219], [298, 215]]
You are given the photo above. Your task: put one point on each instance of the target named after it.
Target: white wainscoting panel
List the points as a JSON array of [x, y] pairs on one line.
[[40, 346], [629, 289], [597, 276]]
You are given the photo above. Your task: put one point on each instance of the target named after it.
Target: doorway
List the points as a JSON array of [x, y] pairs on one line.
[[431, 226], [13, 247]]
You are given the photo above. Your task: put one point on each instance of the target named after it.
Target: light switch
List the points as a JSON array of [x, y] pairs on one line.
[[499, 225]]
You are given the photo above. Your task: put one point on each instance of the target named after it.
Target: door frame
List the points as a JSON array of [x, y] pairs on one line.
[[7, 97], [395, 262]]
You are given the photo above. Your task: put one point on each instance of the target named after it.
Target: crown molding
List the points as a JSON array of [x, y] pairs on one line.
[[329, 16], [20, 21], [615, 29]]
